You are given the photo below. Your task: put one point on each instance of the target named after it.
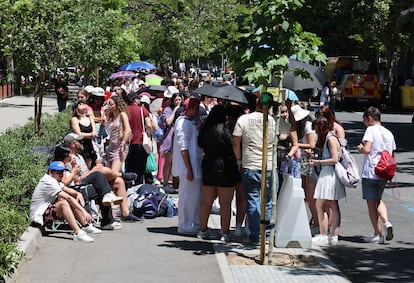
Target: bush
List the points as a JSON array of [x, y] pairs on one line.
[[20, 170]]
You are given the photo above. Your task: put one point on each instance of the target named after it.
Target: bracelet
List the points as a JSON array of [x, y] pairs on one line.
[[239, 162]]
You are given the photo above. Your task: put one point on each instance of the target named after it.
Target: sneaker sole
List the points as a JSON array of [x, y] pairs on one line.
[[93, 232], [390, 234], [118, 201]]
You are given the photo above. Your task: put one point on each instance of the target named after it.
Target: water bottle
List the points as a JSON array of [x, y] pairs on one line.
[[170, 209], [295, 168]]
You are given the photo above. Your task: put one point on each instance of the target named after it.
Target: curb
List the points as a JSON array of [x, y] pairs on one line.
[[28, 244]]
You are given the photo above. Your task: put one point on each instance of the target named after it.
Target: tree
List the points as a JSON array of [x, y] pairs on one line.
[[269, 36], [182, 30]]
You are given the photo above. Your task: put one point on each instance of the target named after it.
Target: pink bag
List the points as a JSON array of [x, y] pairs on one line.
[[146, 140]]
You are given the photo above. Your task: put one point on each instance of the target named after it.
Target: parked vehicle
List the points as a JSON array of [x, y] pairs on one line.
[[355, 84]]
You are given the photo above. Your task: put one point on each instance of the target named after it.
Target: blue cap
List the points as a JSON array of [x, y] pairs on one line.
[[56, 166]]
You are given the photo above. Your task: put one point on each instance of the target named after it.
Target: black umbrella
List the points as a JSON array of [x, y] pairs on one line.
[[223, 91], [317, 77]]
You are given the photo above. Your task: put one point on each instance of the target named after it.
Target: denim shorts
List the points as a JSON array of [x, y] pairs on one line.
[[372, 189]]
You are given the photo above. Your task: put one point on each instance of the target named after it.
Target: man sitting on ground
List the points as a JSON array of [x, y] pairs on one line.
[[52, 200], [71, 140], [101, 191]]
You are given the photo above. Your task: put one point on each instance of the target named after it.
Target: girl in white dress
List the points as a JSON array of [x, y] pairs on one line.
[[328, 187]]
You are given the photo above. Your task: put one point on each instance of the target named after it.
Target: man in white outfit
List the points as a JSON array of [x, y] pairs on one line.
[[187, 166]]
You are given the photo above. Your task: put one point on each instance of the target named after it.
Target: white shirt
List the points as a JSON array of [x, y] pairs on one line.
[[185, 138], [324, 99], [382, 139], [44, 194], [250, 128]]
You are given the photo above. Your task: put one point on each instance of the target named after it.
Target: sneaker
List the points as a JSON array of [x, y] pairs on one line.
[[156, 182], [129, 176], [81, 236], [225, 238], [207, 235], [333, 240], [374, 239], [131, 217], [389, 236], [187, 233], [90, 229], [320, 240], [111, 198], [112, 226]]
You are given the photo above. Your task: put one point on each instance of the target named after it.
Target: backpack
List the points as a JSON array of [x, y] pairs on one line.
[[347, 169], [151, 202], [386, 166]]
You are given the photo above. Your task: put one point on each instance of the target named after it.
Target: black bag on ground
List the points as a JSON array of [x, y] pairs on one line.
[[150, 203]]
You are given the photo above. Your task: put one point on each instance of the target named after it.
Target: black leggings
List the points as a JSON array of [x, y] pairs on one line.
[[98, 180]]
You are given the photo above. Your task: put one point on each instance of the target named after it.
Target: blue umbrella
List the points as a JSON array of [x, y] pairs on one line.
[[291, 95], [137, 66]]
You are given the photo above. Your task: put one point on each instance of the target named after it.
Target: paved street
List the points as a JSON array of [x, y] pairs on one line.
[[362, 262], [153, 252]]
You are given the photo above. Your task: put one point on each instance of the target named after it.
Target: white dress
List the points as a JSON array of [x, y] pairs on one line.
[[328, 185]]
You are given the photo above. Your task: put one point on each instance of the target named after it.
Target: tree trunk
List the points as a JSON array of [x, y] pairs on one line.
[[39, 101]]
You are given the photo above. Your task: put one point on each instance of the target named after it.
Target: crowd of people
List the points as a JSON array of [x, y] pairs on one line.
[[206, 150]]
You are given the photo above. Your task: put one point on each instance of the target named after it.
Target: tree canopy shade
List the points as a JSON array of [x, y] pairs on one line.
[[269, 35], [183, 30]]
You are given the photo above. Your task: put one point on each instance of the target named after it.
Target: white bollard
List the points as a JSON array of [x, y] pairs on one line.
[[291, 217]]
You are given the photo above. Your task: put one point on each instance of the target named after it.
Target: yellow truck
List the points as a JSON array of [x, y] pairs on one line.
[[355, 85]]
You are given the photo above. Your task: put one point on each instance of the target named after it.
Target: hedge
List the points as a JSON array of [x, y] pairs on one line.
[[20, 170]]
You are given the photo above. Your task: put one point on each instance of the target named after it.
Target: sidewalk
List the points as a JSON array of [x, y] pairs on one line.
[[154, 251], [19, 108], [151, 251]]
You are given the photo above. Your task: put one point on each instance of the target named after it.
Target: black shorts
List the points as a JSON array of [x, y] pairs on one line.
[[219, 171]]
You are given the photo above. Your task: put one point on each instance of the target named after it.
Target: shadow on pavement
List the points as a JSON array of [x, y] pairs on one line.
[[380, 265], [355, 132]]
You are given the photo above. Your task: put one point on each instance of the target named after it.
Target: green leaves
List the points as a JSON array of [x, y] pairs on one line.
[[20, 171], [271, 37]]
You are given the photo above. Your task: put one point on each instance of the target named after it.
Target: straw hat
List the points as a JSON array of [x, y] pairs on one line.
[[298, 112]]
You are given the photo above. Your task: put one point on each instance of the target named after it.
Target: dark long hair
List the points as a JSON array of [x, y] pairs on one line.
[[213, 132], [321, 126]]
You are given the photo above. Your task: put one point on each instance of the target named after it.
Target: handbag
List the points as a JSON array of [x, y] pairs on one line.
[[151, 164], [146, 140]]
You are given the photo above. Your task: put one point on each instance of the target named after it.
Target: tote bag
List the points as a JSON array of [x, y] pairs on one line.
[[146, 140]]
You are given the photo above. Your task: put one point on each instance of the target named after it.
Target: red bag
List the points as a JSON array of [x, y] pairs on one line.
[[386, 166]]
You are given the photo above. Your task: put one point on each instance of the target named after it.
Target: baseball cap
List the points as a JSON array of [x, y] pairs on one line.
[[98, 91], [69, 138], [56, 166], [89, 89]]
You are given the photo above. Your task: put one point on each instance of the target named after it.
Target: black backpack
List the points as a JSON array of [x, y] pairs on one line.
[[151, 202]]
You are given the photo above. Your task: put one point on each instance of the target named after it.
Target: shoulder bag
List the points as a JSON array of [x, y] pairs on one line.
[[146, 140]]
